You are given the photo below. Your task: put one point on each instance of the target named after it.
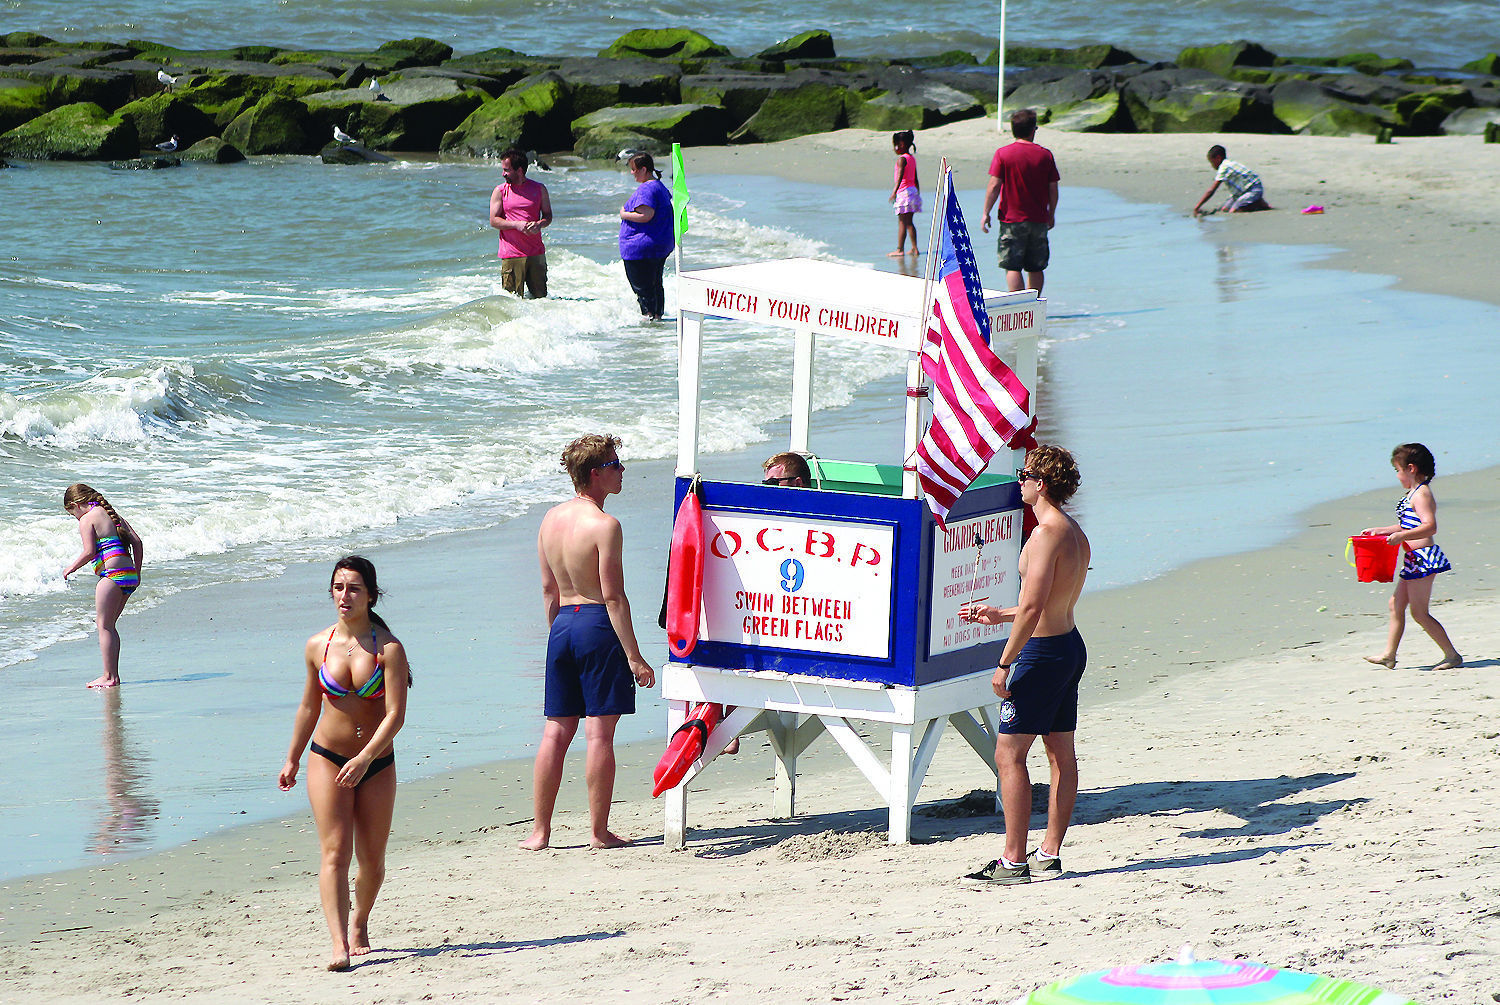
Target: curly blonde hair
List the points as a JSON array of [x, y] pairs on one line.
[[1055, 468], [586, 453]]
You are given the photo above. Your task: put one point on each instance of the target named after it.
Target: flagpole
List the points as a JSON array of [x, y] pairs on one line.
[[939, 209], [1000, 83], [915, 385]]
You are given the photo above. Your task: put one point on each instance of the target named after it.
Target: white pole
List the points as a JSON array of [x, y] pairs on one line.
[[1000, 74], [939, 209]]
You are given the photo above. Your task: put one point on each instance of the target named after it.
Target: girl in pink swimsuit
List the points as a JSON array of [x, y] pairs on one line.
[[906, 193]]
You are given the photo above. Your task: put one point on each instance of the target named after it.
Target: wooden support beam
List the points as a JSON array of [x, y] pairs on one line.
[[860, 753]]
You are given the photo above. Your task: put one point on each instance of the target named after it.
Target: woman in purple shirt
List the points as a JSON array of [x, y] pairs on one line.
[[646, 235]]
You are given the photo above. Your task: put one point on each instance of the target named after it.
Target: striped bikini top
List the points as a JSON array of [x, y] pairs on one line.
[[1406, 513], [372, 688]]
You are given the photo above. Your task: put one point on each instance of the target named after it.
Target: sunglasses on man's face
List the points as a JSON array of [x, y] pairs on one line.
[[1023, 475], [616, 463]]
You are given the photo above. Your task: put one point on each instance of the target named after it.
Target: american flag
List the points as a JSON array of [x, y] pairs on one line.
[[978, 403]]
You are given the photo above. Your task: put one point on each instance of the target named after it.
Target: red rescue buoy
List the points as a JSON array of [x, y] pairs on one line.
[[686, 744], [685, 576]]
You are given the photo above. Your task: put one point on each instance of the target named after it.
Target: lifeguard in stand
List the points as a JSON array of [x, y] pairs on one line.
[[788, 470]]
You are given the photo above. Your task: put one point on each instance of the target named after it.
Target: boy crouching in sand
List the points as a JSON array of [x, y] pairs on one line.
[[1247, 193]]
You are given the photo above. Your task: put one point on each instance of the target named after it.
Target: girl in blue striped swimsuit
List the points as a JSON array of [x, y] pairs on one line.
[[1416, 516], [116, 552]]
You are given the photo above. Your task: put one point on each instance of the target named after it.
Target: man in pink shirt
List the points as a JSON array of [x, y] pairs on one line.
[[1023, 177], [519, 209]]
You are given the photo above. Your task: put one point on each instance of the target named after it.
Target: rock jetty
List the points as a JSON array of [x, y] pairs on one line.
[[110, 101]]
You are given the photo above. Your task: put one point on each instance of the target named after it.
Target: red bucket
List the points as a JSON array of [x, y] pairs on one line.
[[1374, 559]]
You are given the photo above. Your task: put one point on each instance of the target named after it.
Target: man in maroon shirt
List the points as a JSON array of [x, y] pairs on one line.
[[1023, 177]]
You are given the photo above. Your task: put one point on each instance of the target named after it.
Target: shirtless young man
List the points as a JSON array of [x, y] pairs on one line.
[[592, 654], [1037, 679]]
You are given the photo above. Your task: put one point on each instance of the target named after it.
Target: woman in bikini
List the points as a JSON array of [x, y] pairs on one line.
[[117, 552], [353, 704]]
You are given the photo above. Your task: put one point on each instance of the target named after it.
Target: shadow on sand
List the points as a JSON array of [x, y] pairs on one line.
[[477, 948], [1262, 804]]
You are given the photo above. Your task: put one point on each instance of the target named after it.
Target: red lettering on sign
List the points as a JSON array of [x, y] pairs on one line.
[[760, 539], [716, 547], [726, 300], [826, 543]]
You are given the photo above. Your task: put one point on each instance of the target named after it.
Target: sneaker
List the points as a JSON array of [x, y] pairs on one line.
[[1043, 868], [1003, 875]]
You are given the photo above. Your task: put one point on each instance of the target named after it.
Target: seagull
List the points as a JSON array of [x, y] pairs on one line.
[[340, 136], [170, 146], [374, 85], [167, 79]]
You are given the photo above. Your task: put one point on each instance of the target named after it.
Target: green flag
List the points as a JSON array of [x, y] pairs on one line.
[[680, 195]]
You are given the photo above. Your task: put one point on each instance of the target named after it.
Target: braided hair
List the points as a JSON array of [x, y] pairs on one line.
[[79, 493]]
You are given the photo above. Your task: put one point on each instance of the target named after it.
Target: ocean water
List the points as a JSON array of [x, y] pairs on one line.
[[235, 356], [1445, 33]]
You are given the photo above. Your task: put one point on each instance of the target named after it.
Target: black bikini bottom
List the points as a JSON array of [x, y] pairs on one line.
[[376, 766]]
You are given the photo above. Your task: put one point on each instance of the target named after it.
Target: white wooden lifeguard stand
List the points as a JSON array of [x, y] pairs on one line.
[[837, 605]]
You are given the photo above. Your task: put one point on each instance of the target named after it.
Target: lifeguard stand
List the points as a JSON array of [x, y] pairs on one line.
[[838, 604]]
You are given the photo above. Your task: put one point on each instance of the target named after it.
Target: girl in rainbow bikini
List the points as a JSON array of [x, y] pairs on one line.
[[1416, 516], [116, 552], [353, 704]]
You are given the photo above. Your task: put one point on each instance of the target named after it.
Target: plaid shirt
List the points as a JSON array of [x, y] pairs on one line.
[[1239, 178]]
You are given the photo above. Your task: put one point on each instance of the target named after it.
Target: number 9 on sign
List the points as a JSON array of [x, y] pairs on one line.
[[791, 575]]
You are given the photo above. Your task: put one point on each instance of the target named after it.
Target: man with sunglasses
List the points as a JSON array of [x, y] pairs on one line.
[[592, 654], [1040, 668], [788, 470]]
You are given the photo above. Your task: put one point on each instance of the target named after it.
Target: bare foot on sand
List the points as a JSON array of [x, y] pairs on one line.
[[102, 682], [537, 841], [610, 840], [1389, 662], [1450, 662], [733, 747], [359, 939], [338, 963], [894, 254]]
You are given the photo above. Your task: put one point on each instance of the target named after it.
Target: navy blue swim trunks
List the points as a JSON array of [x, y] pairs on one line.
[[1044, 685], [587, 673]]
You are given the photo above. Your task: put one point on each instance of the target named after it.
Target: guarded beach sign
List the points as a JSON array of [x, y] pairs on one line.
[[973, 559]]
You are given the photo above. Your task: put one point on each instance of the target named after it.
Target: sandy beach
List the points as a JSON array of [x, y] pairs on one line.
[[1249, 784]]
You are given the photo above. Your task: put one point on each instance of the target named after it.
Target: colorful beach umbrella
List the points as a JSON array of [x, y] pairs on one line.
[[1189, 981]]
